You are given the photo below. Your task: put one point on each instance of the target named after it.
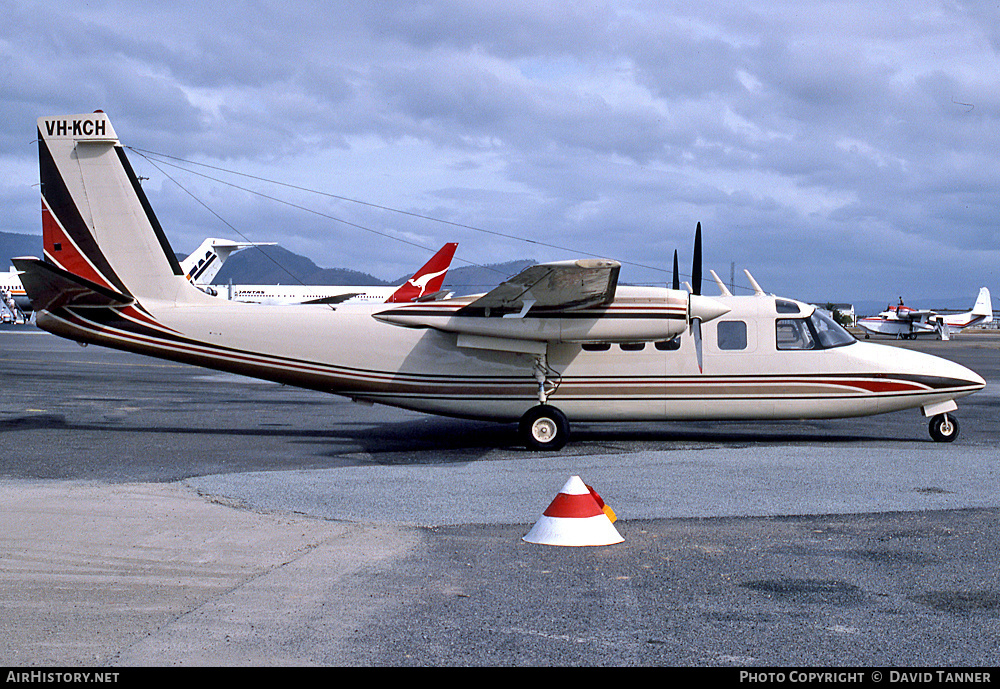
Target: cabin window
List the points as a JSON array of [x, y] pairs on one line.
[[596, 346], [785, 306], [671, 345], [632, 346], [732, 335]]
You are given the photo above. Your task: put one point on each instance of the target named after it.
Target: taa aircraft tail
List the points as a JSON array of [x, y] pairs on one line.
[[427, 280], [203, 264]]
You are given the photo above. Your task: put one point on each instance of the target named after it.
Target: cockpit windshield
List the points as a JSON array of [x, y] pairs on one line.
[[819, 331], [829, 332]]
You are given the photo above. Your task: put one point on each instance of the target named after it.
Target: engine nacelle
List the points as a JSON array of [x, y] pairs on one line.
[[646, 316]]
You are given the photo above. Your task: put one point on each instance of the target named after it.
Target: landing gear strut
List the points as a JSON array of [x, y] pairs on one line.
[[944, 428], [544, 427]]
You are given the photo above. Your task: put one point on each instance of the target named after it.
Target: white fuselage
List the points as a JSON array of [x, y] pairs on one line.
[[562, 335], [347, 351]]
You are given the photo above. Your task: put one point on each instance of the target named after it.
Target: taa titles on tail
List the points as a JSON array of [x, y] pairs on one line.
[[907, 323], [557, 344]]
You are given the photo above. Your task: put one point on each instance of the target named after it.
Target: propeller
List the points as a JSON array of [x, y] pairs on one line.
[[677, 279], [696, 291], [700, 308]]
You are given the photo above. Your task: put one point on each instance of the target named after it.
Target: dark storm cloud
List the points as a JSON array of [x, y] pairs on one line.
[[839, 147]]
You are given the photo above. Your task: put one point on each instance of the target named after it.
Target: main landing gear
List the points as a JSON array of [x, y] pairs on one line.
[[544, 427], [943, 428]]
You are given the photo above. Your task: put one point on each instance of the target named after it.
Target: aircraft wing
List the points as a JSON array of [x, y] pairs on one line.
[[916, 315], [50, 287], [560, 285], [335, 299]]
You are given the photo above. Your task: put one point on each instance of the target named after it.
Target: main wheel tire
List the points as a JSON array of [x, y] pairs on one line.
[[544, 428], [944, 428]]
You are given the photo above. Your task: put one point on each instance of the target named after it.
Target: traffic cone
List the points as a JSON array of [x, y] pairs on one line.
[[577, 516]]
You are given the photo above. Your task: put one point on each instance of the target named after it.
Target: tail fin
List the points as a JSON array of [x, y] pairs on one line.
[[984, 305], [96, 220], [203, 264], [428, 279]]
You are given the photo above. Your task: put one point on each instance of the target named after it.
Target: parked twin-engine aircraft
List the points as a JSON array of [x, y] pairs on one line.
[[907, 323], [559, 342], [424, 284]]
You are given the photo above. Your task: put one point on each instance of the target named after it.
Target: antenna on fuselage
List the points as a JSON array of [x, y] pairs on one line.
[[722, 287], [756, 288]]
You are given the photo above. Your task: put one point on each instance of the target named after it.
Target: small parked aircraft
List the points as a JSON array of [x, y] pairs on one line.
[[907, 323], [559, 342]]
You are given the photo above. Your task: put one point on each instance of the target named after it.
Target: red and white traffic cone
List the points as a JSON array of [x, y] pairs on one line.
[[577, 516]]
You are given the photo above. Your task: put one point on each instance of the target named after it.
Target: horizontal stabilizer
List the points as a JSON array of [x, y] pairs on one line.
[[50, 287]]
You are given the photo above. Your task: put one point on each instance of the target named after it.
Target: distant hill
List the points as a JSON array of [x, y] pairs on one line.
[[13, 245], [273, 265], [473, 279]]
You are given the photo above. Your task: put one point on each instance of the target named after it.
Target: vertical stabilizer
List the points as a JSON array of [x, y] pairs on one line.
[[984, 305], [428, 279], [203, 264], [96, 220]]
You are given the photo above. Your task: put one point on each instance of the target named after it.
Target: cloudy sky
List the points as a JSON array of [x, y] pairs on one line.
[[840, 151]]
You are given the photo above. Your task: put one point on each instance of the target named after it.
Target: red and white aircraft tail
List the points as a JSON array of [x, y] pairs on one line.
[[427, 280]]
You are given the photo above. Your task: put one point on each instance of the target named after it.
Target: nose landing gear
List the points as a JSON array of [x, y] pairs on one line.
[[943, 428]]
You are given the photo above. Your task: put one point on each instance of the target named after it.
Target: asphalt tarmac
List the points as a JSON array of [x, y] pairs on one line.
[[159, 514]]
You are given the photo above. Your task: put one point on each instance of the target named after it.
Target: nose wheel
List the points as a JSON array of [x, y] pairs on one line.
[[944, 428], [544, 427]]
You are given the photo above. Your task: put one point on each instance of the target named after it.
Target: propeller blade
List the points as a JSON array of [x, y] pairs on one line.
[[677, 277], [696, 267], [695, 302], [696, 332]]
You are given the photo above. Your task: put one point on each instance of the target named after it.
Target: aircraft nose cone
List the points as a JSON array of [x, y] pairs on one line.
[[706, 308], [974, 378]]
